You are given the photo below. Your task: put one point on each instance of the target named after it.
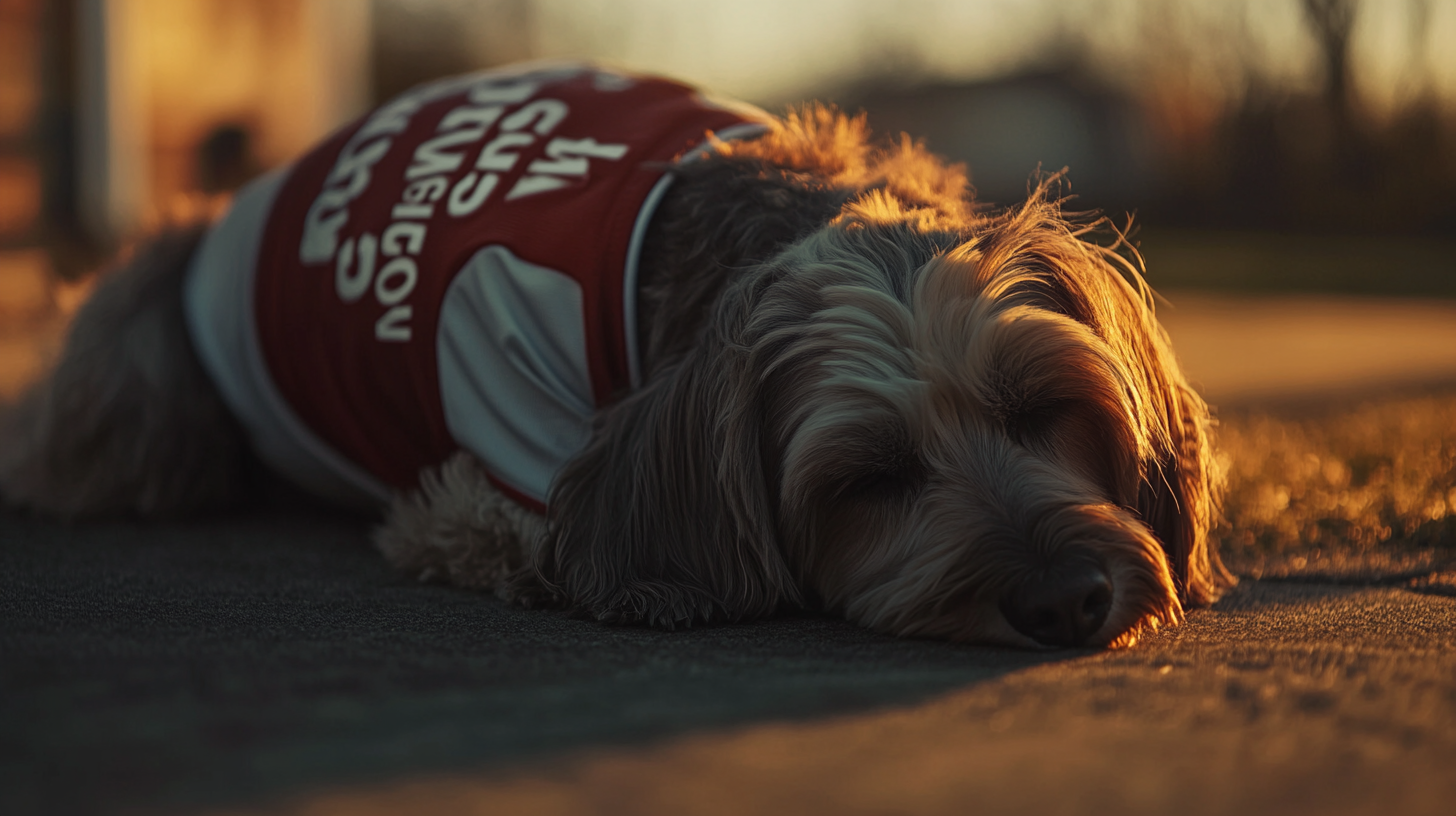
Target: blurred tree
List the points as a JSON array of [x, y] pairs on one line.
[[1331, 23], [417, 41], [1252, 140]]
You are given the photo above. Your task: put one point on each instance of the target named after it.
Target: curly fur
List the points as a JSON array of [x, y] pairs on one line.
[[864, 392], [459, 529]]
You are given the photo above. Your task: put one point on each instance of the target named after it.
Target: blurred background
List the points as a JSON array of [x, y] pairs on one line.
[[1290, 169], [1261, 144]]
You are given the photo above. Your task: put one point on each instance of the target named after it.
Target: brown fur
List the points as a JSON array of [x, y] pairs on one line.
[[865, 321], [864, 392], [127, 421]]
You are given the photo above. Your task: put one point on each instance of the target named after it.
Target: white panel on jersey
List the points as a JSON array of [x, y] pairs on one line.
[[514, 378], [218, 298]]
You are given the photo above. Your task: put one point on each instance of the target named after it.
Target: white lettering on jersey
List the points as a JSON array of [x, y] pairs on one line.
[[329, 213], [385, 265], [566, 157]]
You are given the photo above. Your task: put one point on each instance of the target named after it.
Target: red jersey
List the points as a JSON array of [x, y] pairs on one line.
[[457, 269]]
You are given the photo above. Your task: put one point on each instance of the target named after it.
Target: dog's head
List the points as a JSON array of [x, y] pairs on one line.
[[969, 428]]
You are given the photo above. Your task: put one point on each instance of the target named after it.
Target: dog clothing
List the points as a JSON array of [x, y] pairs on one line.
[[456, 270]]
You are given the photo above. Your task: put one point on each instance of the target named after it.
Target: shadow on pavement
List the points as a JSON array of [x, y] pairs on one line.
[[1289, 699], [225, 662]]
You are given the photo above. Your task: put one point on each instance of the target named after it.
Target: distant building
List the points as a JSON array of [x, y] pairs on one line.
[[24, 265], [154, 100], [1005, 129]]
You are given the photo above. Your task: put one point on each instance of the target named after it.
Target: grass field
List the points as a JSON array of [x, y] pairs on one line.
[[1341, 484], [1353, 482]]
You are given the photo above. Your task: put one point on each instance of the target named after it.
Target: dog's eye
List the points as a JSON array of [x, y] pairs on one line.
[[1031, 422], [896, 482]]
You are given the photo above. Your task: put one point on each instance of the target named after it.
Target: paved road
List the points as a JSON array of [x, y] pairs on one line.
[[1245, 351], [270, 663]]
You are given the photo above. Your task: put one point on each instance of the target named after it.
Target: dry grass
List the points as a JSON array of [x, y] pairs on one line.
[[1378, 477]]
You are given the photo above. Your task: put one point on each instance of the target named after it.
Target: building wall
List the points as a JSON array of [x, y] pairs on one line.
[[24, 266], [179, 97]]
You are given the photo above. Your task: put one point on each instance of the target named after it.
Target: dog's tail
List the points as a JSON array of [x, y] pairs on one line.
[[127, 422]]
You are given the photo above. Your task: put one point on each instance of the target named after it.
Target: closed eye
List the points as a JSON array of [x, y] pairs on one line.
[[897, 480], [1080, 434], [1031, 423]]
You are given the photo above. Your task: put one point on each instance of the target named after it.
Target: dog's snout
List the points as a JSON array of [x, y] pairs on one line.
[[1062, 606]]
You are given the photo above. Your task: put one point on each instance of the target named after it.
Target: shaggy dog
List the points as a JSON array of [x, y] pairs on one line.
[[860, 391]]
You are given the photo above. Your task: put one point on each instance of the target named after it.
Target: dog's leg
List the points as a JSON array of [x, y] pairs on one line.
[[459, 528], [128, 421]]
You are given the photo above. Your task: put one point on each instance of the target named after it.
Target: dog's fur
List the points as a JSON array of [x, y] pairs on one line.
[[864, 393]]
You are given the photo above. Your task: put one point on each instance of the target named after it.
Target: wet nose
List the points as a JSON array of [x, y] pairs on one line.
[[1062, 606]]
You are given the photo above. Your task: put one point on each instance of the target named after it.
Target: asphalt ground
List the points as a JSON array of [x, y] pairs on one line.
[[269, 662]]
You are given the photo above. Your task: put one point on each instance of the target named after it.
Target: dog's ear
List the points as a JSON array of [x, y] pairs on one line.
[[1180, 483], [1178, 497], [666, 517]]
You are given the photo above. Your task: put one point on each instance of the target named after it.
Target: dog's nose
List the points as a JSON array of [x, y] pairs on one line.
[[1062, 606]]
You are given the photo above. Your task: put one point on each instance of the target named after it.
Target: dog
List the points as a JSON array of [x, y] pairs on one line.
[[818, 374]]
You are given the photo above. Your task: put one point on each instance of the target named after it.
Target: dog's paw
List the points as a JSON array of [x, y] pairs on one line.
[[457, 528], [658, 605], [525, 589]]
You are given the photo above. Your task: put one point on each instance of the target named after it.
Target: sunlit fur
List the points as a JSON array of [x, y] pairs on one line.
[[865, 392], [899, 417]]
